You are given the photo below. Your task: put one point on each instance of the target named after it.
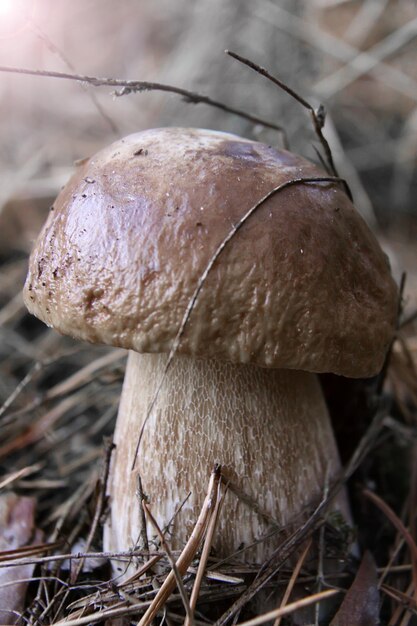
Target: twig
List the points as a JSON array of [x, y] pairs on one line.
[[36, 430], [216, 575], [17, 475], [85, 374], [142, 509], [6, 555], [318, 117], [320, 556], [271, 567], [176, 513], [79, 379], [70, 507], [100, 505], [178, 577], [290, 608], [212, 523], [188, 553], [398, 524], [139, 86], [203, 276], [362, 200], [123, 555], [246, 548], [292, 580], [390, 568], [405, 602], [122, 611], [142, 570], [251, 503]]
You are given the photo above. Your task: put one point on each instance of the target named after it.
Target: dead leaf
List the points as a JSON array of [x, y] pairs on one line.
[[360, 606], [16, 530]]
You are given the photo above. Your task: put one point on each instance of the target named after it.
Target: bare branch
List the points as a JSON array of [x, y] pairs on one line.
[[100, 505], [211, 527], [189, 551], [261, 70], [126, 87], [178, 577], [290, 608], [318, 117]]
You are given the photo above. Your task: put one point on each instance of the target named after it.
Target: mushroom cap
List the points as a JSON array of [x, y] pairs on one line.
[[303, 284]]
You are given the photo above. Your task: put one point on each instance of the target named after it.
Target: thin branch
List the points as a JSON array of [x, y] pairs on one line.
[[252, 503], [176, 513], [263, 72], [188, 553], [349, 172], [126, 87], [84, 375], [398, 524], [100, 505], [34, 370], [191, 304], [320, 555], [101, 615], [18, 553], [126, 555], [293, 580], [18, 475], [318, 116], [178, 577], [211, 528], [290, 608], [141, 499]]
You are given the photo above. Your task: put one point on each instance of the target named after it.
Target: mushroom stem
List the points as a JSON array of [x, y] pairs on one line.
[[269, 429]]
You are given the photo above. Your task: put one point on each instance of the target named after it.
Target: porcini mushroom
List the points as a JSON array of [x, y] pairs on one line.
[[303, 287]]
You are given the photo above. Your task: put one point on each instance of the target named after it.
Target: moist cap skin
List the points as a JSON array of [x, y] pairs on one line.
[[303, 284]]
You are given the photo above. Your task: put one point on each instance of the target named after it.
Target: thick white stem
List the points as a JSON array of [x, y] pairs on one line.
[[269, 429]]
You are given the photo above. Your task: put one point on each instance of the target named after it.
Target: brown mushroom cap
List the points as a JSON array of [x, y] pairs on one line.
[[302, 285]]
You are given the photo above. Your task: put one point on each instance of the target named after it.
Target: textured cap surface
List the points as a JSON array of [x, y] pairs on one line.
[[302, 285]]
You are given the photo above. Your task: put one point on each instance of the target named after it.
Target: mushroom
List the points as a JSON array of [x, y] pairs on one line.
[[303, 287]]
